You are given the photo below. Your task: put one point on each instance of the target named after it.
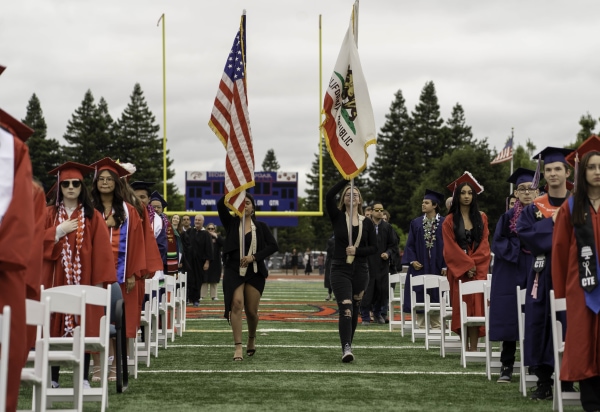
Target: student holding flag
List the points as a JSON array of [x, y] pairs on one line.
[[575, 275], [349, 127]]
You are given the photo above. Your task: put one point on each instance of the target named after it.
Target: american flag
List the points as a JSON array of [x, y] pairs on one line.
[[505, 154], [231, 123]]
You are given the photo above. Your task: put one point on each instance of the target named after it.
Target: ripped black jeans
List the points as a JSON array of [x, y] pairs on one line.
[[348, 282]]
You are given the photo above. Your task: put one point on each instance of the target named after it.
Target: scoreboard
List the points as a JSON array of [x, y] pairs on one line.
[[273, 192]]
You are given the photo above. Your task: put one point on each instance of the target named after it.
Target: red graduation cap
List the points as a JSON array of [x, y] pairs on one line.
[[14, 126], [108, 164], [468, 178], [591, 144], [71, 170]]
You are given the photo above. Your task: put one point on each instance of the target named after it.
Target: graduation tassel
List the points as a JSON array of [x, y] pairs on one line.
[[536, 177]]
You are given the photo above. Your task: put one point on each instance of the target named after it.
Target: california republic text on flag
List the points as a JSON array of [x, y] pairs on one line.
[[506, 153], [349, 124], [231, 123]]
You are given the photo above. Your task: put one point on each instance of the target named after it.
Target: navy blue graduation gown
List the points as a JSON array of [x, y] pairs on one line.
[[511, 265], [433, 262], [536, 235]]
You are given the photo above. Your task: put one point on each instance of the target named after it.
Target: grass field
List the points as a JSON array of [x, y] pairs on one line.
[[298, 366]]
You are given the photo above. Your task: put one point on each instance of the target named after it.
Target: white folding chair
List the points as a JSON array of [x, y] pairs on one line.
[[4, 353], [525, 379], [432, 336], [558, 343], [180, 303], [144, 348], [465, 289], [95, 296], [492, 358], [183, 277], [449, 341], [166, 312], [415, 306], [394, 279], [154, 315], [37, 314], [68, 351]]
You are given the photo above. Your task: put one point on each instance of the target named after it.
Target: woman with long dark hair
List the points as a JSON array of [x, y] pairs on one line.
[[349, 268], [125, 236], [245, 270], [80, 253], [466, 251], [575, 249]]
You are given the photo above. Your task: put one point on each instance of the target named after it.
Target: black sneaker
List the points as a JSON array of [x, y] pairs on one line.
[[542, 392], [380, 320], [347, 356], [505, 374]]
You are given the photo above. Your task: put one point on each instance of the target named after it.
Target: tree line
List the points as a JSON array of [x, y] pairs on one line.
[[416, 150]]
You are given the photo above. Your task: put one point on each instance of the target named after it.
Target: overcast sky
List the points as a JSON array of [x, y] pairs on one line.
[[533, 65]]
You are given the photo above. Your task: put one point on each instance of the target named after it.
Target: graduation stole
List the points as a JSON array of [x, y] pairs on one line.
[[587, 261], [545, 209], [72, 266], [7, 170], [252, 250], [429, 228], [123, 244], [350, 259], [172, 256]]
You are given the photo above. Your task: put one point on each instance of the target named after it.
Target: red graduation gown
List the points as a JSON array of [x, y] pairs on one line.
[[16, 238], [581, 359], [97, 265], [458, 263], [33, 273], [136, 264]]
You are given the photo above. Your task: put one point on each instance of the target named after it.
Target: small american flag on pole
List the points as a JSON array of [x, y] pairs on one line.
[[230, 121], [505, 154]]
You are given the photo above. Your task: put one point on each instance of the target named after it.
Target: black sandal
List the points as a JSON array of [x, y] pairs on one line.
[[238, 358], [251, 352]]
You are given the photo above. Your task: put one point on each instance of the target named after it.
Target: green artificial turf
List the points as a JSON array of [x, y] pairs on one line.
[[297, 367]]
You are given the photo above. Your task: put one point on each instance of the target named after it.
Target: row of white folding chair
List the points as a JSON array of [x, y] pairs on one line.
[[148, 322], [4, 353], [558, 343]]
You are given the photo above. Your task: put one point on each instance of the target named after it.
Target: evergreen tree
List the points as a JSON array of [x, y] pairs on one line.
[[89, 132], [456, 132], [44, 152], [270, 163], [137, 141], [427, 123], [396, 171]]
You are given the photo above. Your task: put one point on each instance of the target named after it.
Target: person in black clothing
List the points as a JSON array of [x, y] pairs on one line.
[[294, 263], [377, 293], [199, 256], [349, 269], [245, 275]]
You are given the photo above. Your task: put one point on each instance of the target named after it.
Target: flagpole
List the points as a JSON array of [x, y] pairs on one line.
[[164, 69], [321, 137], [350, 259]]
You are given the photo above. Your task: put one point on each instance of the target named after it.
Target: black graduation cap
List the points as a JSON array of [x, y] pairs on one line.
[[522, 175], [156, 196], [434, 196], [139, 185], [548, 155]]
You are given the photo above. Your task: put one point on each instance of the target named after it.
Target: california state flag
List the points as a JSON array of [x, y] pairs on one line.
[[349, 125]]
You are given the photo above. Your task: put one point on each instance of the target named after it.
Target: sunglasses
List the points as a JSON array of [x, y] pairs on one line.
[[65, 184], [210, 228]]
